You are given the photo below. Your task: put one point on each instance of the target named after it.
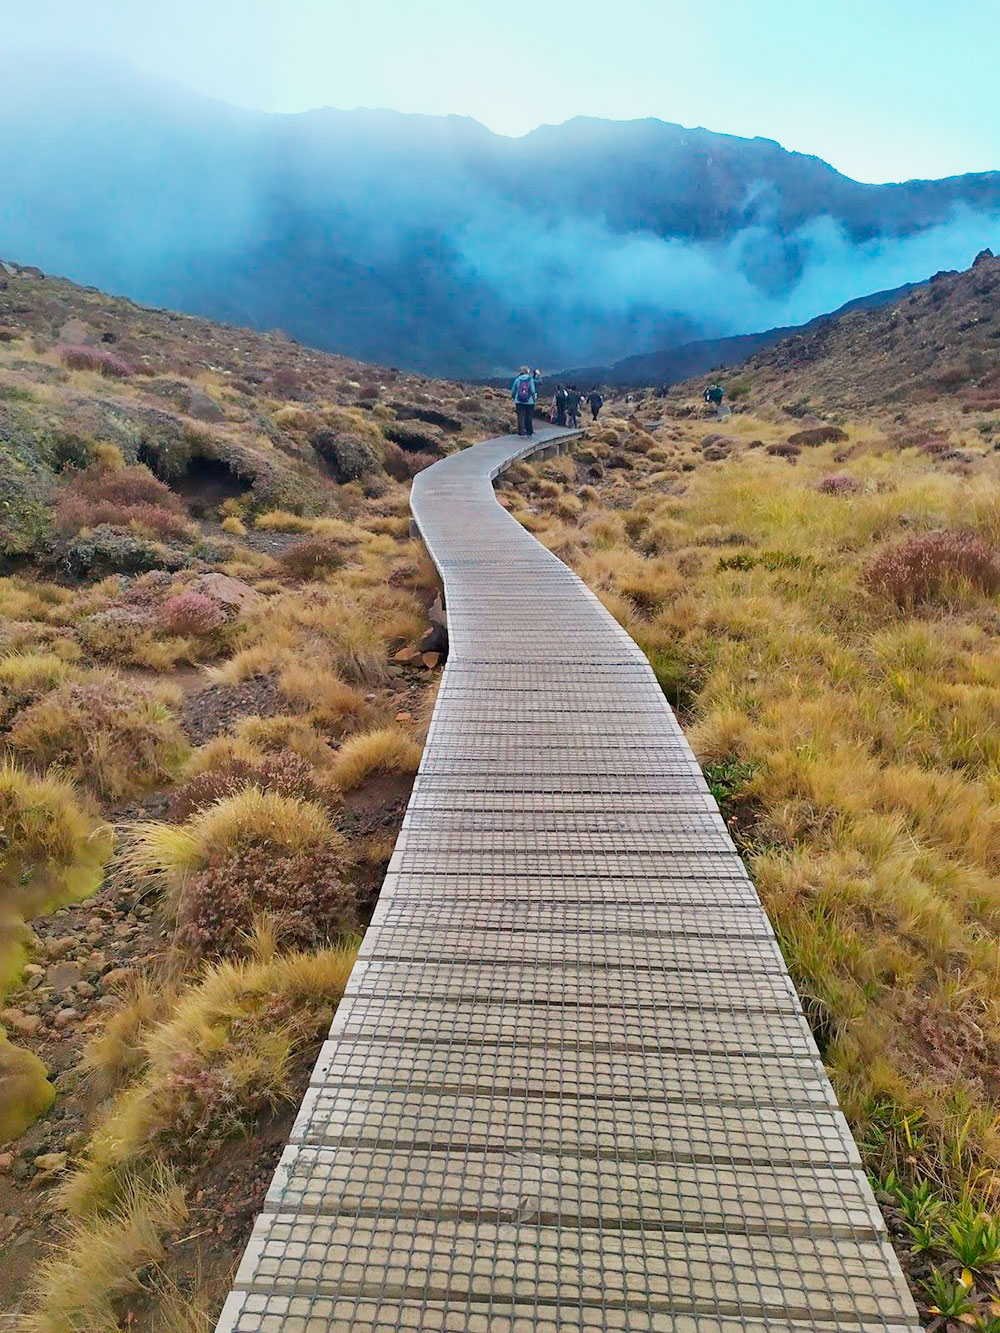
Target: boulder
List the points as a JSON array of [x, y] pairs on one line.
[[26, 1025], [76, 333], [63, 976], [51, 1163], [115, 979], [231, 593], [202, 407]]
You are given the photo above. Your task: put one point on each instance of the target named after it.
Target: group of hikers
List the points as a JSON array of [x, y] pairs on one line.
[[566, 401]]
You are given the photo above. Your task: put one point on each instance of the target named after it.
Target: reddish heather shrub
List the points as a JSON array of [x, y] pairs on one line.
[[927, 440], [312, 558], [303, 892], [930, 566], [73, 512], [126, 486], [784, 450], [403, 465], [282, 771], [286, 382], [192, 613], [95, 358], [839, 484], [818, 435], [118, 497]]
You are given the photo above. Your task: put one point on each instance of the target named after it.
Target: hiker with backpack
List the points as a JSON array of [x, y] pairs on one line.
[[596, 400], [573, 400], [524, 393], [560, 404], [714, 395]]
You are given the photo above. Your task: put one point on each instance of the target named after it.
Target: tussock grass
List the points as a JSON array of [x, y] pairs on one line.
[[351, 628], [387, 750], [102, 1259], [52, 851], [167, 854], [232, 1046], [113, 738], [858, 753], [117, 1051], [319, 688]]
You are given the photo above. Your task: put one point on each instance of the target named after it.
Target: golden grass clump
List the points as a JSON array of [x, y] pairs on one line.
[[52, 851], [852, 741], [167, 854], [233, 1045], [387, 750], [112, 737], [321, 689], [102, 1259]]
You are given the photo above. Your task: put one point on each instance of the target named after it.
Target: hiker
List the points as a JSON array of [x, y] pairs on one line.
[[524, 394], [714, 394], [596, 401], [573, 400], [560, 404]]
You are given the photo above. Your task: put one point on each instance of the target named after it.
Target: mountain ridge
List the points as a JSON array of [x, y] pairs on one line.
[[433, 243], [670, 364]]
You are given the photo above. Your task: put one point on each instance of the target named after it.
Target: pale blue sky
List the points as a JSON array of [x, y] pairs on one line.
[[883, 89]]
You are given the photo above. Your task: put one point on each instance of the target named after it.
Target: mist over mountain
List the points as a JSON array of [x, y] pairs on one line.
[[431, 243]]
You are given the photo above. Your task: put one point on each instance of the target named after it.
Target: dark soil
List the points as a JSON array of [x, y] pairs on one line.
[[267, 543], [216, 708]]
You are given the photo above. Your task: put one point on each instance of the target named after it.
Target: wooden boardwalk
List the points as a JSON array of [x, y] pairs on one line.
[[570, 1086]]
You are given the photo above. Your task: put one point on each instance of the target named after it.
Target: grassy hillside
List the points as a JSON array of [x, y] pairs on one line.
[[823, 614], [215, 676], [939, 345]]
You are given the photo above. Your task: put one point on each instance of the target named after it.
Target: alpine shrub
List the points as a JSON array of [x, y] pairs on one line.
[[74, 513], [123, 486], [192, 613], [303, 893], [839, 484], [930, 566], [819, 435], [312, 558], [107, 550], [284, 772], [350, 457], [97, 359], [403, 465]]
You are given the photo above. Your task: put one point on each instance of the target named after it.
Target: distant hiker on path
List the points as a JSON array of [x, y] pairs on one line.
[[596, 401], [560, 404], [573, 400], [524, 393], [714, 395]]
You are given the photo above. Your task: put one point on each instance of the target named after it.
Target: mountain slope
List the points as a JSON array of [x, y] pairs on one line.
[[678, 363], [432, 243], [939, 342]]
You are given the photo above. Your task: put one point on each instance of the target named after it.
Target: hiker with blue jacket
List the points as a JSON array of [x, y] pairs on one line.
[[524, 393]]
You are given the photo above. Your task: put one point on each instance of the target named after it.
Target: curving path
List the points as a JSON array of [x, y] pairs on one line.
[[570, 1086]]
